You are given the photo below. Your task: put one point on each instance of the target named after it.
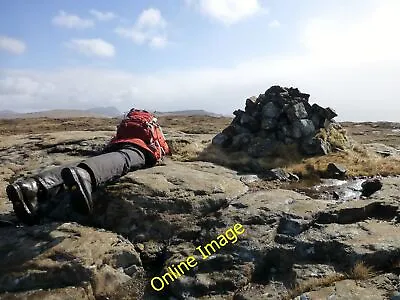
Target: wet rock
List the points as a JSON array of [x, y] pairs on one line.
[[395, 296], [336, 171], [304, 297], [276, 174], [370, 186], [339, 189], [279, 201], [293, 177]]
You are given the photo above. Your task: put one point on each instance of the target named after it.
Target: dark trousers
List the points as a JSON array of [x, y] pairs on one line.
[[112, 165], [102, 168]]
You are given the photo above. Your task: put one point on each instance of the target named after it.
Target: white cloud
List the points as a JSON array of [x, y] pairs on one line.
[[227, 11], [149, 28], [70, 21], [12, 45], [92, 47], [136, 35], [158, 42], [151, 18], [274, 24], [356, 70], [103, 16]]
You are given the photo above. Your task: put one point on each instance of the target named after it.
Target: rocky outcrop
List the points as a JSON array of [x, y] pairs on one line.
[[370, 186], [279, 117], [294, 245], [71, 260]]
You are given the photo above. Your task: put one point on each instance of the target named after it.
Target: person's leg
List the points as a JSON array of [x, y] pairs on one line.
[[28, 194], [97, 170], [112, 165]]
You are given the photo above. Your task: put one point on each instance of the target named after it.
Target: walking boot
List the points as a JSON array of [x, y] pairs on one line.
[[24, 197], [79, 184]]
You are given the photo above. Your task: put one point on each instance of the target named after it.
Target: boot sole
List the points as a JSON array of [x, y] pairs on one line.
[[79, 200], [21, 210]]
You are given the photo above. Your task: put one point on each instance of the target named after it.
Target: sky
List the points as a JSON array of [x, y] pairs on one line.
[[169, 55]]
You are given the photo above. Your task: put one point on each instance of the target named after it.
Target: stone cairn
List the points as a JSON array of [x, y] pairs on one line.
[[281, 116]]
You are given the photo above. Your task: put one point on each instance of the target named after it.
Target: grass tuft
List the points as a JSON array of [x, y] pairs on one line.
[[313, 284], [358, 162], [361, 271]]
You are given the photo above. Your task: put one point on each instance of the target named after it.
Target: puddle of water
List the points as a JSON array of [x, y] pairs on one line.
[[333, 189], [325, 183], [344, 190]]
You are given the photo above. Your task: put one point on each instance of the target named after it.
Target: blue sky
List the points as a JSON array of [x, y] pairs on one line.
[[198, 54]]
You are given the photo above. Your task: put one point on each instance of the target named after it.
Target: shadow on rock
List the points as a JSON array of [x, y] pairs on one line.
[[19, 246], [266, 166], [60, 256]]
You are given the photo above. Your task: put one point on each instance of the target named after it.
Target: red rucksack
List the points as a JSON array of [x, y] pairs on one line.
[[141, 128]]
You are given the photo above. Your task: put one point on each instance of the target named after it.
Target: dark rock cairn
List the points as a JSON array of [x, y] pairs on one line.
[[281, 116]]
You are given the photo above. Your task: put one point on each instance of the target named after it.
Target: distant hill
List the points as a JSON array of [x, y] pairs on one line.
[[198, 112], [7, 113], [97, 112], [109, 111]]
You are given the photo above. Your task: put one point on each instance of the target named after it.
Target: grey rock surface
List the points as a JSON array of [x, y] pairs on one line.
[[156, 217], [61, 256]]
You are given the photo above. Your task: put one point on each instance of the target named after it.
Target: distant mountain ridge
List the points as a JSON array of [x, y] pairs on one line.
[[7, 113], [96, 112], [194, 112], [109, 111]]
